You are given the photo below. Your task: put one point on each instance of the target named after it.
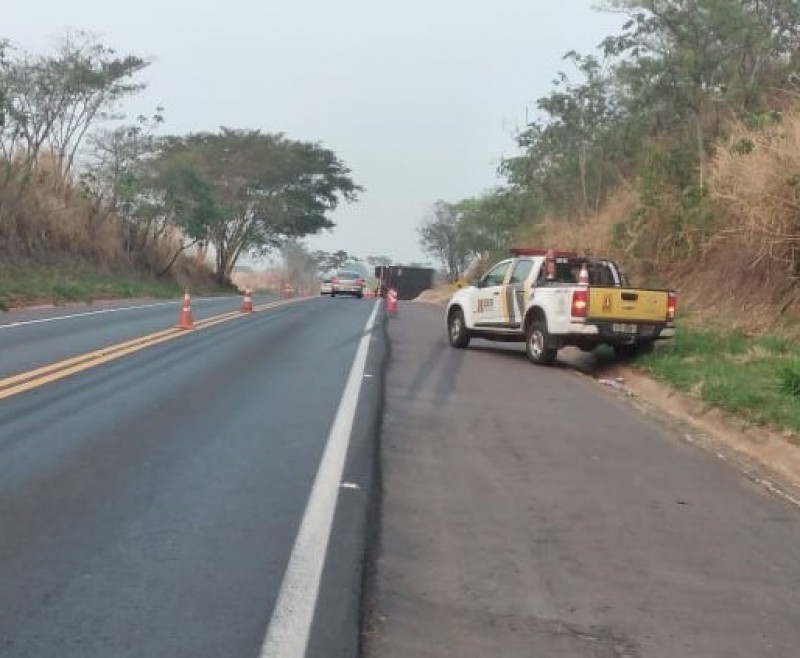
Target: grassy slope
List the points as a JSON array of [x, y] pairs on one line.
[[755, 377], [57, 285]]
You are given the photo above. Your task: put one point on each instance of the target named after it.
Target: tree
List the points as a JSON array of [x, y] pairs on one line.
[[189, 206], [684, 61], [442, 236], [572, 153], [328, 261], [4, 107], [53, 100], [300, 265], [122, 163], [269, 188], [379, 261], [487, 222]]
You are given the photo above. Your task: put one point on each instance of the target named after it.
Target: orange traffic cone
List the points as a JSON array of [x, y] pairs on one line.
[[247, 302], [185, 318], [391, 301], [583, 277]]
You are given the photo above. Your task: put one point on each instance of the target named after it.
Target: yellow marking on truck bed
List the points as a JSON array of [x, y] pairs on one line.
[[629, 304]]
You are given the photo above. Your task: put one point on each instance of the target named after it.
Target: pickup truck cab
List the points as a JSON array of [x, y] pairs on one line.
[[550, 299]]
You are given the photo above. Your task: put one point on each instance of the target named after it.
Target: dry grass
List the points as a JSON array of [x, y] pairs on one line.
[[591, 235], [51, 225], [608, 233], [46, 220], [752, 262], [438, 295], [756, 182]]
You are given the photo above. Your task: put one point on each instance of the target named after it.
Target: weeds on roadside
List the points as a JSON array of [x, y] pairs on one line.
[[757, 378], [61, 285], [789, 377]]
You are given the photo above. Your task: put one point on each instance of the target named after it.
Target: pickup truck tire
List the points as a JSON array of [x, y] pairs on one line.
[[457, 330], [536, 344]]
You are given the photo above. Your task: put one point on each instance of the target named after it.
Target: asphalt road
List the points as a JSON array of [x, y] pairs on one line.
[[149, 505], [529, 512]]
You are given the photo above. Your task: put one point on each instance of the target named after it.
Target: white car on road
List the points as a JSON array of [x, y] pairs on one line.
[[347, 282]]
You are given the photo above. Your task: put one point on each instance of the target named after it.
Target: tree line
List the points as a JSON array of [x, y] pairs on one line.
[[644, 112], [226, 193]]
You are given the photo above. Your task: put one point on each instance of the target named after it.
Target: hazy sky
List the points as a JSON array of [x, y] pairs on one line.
[[421, 99]]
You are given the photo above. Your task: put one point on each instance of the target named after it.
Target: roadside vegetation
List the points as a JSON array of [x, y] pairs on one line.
[[755, 377], [674, 148], [57, 285], [94, 205]]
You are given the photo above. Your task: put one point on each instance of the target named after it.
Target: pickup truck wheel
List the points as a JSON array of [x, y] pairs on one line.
[[536, 340], [457, 330]]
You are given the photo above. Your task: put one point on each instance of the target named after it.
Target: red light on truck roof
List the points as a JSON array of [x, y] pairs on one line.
[[525, 251]]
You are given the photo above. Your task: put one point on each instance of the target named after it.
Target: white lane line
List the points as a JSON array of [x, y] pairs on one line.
[[57, 318], [290, 626]]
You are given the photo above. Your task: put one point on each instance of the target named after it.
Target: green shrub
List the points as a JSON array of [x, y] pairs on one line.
[[789, 377]]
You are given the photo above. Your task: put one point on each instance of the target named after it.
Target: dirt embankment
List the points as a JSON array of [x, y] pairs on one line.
[[438, 295]]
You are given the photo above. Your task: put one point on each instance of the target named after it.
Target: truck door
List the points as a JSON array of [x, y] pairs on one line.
[[489, 302], [515, 291]]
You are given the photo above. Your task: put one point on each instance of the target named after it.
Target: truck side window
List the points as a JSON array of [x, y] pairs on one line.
[[521, 271], [600, 274], [606, 274], [495, 276]]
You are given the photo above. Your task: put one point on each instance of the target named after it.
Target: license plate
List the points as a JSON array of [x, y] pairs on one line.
[[624, 328]]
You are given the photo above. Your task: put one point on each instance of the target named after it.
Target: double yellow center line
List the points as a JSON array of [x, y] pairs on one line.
[[52, 372]]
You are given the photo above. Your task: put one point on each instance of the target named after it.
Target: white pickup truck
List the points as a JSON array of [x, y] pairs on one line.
[[551, 299]]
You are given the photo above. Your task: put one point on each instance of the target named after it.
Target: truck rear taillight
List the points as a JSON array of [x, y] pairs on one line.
[[672, 306], [580, 303]]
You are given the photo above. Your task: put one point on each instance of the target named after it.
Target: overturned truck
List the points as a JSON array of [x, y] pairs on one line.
[[409, 282]]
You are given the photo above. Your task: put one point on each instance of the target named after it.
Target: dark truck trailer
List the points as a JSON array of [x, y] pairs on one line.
[[409, 282]]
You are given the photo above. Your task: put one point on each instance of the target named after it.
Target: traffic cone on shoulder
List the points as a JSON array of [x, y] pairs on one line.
[[391, 301], [185, 320], [583, 277], [247, 302]]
